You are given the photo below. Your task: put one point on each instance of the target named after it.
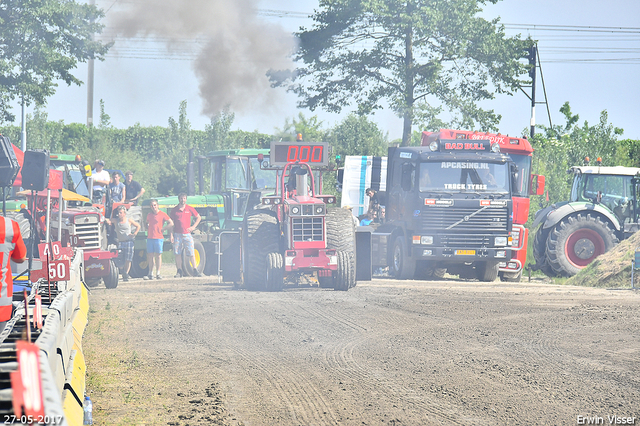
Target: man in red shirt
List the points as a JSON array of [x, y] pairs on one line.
[[156, 220], [181, 237], [11, 248]]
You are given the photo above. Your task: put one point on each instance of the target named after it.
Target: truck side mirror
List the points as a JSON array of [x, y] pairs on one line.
[[537, 185], [407, 176]]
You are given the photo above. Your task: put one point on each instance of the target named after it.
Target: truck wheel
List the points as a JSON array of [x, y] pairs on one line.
[[487, 271], [345, 276], [540, 252], [262, 235], [511, 277], [275, 272], [111, 280], [403, 268], [576, 241], [201, 259], [139, 264]]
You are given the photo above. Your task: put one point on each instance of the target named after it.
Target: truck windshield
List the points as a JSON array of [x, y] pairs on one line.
[[468, 176]]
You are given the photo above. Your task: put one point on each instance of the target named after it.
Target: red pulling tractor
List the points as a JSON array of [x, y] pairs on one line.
[[292, 232]]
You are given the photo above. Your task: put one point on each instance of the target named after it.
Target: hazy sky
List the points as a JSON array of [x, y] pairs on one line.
[[214, 52]]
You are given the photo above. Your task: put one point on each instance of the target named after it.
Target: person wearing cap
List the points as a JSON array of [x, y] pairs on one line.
[[100, 178], [133, 189]]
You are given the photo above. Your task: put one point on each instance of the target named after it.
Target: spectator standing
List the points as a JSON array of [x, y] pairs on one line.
[[117, 190], [133, 189], [157, 222], [181, 237], [11, 246], [125, 234], [101, 179]]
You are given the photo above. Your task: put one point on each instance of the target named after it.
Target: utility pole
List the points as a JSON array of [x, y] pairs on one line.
[[90, 85], [23, 132], [533, 54]]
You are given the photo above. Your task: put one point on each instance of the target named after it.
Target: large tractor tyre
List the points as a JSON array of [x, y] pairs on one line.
[[325, 282], [261, 236], [540, 252], [402, 267], [345, 277], [576, 241], [340, 230], [511, 277], [139, 264], [201, 260], [111, 280], [487, 271], [275, 272]]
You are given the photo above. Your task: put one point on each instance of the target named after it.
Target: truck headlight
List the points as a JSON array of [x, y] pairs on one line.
[[501, 253], [426, 239], [501, 241]]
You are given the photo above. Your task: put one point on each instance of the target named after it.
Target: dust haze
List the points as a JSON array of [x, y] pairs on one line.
[[233, 48]]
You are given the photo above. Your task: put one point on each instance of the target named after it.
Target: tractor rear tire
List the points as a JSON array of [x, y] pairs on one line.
[[402, 267], [345, 277], [340, 230], [540, 252], [576, 241], [111, 280], [275, 272], [261, 236], [201, 260], [139, 264], [341, 236], [487, 271]]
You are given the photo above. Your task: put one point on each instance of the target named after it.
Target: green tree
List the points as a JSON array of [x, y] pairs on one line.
[[309, 128], [414, 54], [42, 42], [218, 130], [357, 135], [562, 146]]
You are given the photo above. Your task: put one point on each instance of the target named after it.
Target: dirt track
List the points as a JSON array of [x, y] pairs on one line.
[[193, 352]]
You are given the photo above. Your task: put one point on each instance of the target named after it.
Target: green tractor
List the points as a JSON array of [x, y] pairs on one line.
[[236, 185], [603, 209]]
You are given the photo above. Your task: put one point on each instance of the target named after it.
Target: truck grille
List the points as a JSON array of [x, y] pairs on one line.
[[308, 228], [466, 241], [89, 233], [465, 219]]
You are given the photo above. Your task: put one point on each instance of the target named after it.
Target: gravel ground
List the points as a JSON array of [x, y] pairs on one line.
[[193, 352]]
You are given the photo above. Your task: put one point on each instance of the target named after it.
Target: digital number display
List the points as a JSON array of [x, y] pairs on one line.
[[315, 154]]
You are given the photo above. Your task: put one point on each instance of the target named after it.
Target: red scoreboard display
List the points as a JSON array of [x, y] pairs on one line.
[[313, 153]]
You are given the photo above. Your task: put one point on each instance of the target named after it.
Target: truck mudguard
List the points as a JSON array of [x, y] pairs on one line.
[[565, 210]]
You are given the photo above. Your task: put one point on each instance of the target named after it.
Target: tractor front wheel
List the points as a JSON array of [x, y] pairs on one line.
[[201, 260], [345, 277], [111, 280]]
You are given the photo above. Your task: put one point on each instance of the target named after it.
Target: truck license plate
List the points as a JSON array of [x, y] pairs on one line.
[[466, 252]]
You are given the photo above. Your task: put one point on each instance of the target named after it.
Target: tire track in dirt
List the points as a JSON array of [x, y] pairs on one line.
[[341, 357]]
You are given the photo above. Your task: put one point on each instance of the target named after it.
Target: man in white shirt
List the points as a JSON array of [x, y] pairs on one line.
[[100, 179]]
